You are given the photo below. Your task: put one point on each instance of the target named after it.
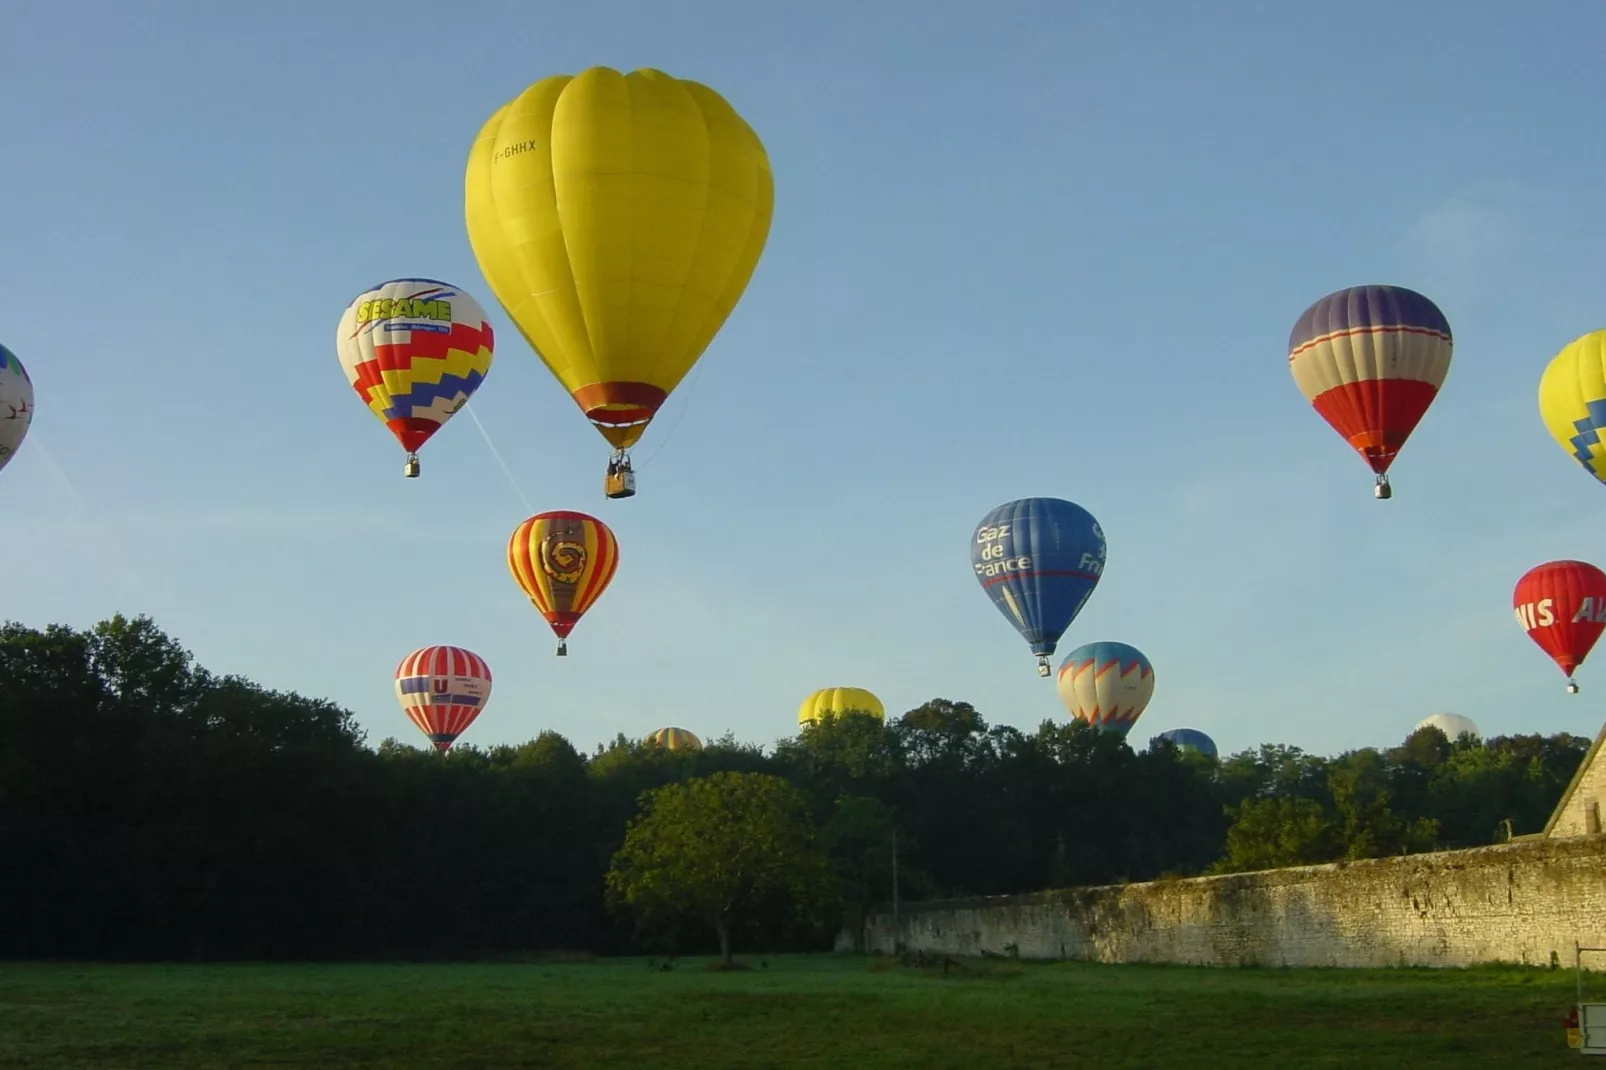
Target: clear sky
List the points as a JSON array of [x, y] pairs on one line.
[[1018, 249]]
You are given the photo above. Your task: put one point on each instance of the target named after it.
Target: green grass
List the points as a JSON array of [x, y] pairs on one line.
[[797, 1011]]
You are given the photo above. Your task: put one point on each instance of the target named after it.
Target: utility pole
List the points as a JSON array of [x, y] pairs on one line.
[[897, 931]]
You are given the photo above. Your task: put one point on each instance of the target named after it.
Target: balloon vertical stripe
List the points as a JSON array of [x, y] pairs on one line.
[[442, 689], [563, 561]]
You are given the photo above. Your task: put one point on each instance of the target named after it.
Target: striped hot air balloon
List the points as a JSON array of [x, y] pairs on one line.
[[563, 561], [1371, 359], [442, 689], [1107, 685], [674, 739]]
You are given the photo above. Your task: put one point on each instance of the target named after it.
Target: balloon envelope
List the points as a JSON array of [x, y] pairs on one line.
[[1038, 559], [835, 701], [1451, 724], [1190, 739], [563, 561], [414, 350], [1106, 684], [1371, 359], [1562, 607], [618, 219], [442, 689], [16, 405], [1572, 401], [674, 739]]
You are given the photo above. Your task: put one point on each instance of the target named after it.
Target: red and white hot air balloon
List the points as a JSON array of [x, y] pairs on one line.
[[1371, 359], [442, 689], [1562, 607]]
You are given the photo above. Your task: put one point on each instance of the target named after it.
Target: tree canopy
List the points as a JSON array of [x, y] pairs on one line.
[[726, 849], [152, 809]]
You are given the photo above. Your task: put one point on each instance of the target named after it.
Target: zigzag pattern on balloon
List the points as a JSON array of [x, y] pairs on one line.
[[421, 398], [1587, 446]]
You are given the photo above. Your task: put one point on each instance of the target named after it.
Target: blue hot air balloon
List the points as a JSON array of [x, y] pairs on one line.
[[1190, 739], [1038, 559]]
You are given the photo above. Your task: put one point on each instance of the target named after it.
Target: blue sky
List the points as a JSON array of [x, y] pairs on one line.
[[1019, 249]]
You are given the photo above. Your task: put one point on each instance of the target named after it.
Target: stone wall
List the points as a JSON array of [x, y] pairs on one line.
[[1520, 902]]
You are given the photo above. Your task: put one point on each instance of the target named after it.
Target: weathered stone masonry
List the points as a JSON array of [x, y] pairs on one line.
[[1526, 901]]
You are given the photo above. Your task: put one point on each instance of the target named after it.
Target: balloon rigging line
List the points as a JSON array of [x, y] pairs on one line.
[[514, 483], [89, 530], [690, 390]]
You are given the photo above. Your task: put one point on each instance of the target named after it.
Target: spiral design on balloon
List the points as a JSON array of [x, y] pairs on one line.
[[563, 559]]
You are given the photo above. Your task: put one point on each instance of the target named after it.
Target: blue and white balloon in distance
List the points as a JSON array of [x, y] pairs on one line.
[[1190, 739]]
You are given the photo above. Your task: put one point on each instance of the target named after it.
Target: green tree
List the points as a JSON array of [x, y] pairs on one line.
[[1279, 831], [730, 849], [860, 839]]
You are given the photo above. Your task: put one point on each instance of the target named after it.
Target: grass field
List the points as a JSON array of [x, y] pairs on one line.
[[821, 1011]]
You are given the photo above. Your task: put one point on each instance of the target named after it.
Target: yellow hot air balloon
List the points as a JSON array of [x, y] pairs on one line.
[[1572, 401], [835, 701], [618, 218], [674, 739]]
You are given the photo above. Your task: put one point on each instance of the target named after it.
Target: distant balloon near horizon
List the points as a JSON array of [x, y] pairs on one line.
[[1038, 560], [1106, 684], [835, 701], [674, 739], [1190, 739], [1451, 724], [1562, 607], [442, 689], [16, 405], [1370, 360]]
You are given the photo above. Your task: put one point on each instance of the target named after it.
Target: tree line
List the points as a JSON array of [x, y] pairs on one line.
[[152, 809]]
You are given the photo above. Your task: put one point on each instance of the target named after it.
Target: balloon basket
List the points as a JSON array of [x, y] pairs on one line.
[[410, 469], [1382, 491], [620, 484], [563, 648], [1572, 687], [1043, 668]]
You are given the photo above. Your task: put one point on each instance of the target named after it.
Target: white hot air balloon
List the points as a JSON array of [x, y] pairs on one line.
[[1451, 724]]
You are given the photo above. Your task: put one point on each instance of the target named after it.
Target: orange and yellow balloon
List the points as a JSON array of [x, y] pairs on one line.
[[618, 218], [563, 561]]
